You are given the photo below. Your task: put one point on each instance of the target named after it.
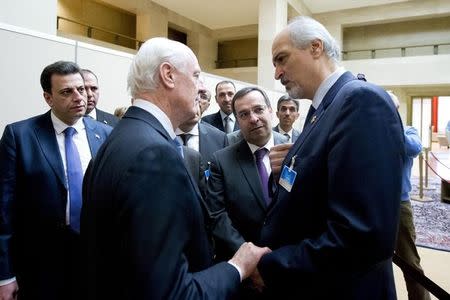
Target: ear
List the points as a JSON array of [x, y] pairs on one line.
[[48, 98], [166, 74], [278, 114], [270, 110], [316, 48]]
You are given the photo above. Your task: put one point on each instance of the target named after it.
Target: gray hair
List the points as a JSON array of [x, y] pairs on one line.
[[303, 30], [394, 99], [143, 73]]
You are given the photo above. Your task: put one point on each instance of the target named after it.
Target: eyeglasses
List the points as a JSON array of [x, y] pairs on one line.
[[203, 96], [257, 110]]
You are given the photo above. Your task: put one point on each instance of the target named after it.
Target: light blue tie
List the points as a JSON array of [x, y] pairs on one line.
[[74, 178]]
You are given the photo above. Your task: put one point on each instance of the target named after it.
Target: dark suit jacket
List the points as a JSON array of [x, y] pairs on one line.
[[295, 133], [196, 168], [216, 121], [142, 224], [107, 118], [235, 198], [34, 240], [210, 140], [333, 235]]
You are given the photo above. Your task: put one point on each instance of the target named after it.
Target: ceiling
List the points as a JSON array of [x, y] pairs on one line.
[[216, 14]]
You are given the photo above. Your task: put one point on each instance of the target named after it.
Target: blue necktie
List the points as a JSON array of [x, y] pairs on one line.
[[74, 178], [179, 147]]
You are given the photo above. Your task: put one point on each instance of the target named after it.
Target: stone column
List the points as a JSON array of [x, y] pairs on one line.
[[272, 19]]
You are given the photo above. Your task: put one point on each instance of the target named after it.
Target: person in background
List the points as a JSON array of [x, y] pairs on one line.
[[205, 99], [42, 162], [287, 113], [224, 119], [238, 196], [405, 246], [93, 93], [120, 111]]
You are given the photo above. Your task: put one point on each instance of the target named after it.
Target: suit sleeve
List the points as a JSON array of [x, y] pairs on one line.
[[7, 197], [362, 177], [413, 145], [165, 222], [222, 226]]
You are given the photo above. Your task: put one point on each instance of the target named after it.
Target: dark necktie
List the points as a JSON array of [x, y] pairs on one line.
[[263, 176], [74, 178], [287, 135], [179, 147], [185, 138], [228, 124]]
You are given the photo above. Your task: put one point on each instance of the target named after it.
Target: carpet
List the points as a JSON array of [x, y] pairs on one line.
[[431, 219]]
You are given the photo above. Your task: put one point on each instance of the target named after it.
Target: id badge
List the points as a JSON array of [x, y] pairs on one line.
[[287, 178]]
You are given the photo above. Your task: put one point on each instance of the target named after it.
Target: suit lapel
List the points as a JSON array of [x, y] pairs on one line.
[[143, 115], [327, 100], [46, 136], [248, 167], [95, 139], [219, 121], [202, 138]]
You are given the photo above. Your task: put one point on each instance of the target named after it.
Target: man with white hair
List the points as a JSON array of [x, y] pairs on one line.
[[333, 222], [143, 227]]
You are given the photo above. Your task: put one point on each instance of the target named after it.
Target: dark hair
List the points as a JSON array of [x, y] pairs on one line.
[[84, 71], [60, 68], [285, 98], [244, 91], [225, 82]]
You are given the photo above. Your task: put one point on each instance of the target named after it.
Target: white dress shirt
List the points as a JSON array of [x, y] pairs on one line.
[[157, 113], [194, 141], [81, 142], [268, 146], [325, 86]]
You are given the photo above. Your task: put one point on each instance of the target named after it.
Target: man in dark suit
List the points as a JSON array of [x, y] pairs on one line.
[[143, 228], [333, 221], [235, 192], [93, 93], [223, 120], [201, 136], [40, 191], [287, 113]]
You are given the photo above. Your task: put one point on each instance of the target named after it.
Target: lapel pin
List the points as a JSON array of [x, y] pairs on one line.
[[313, 119], [97, 136], [104, 121]]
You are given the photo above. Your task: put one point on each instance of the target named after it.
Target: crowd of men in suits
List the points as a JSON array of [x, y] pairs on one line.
[[176, 206]]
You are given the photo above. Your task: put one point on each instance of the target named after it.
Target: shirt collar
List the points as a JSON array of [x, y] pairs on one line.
[[283, 132], [223, 115], [60, 126], [325, 86], [157, 113], [193, 131], [93, 114], [268, 145]]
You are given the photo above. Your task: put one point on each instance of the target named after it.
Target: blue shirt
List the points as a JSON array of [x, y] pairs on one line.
[[413, 146]]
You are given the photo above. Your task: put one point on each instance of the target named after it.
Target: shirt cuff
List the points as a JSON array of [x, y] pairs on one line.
[[237, 268], [10, 280]]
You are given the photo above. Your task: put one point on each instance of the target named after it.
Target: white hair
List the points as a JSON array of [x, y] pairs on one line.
[[394, 99], [143, 73], [303, 30]]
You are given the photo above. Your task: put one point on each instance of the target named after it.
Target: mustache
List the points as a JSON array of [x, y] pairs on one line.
[[283, 81]]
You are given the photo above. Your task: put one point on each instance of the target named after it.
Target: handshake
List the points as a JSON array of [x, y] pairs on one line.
[[247, 258]]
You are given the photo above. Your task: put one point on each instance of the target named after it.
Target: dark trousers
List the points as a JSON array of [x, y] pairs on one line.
[[406, 249]]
